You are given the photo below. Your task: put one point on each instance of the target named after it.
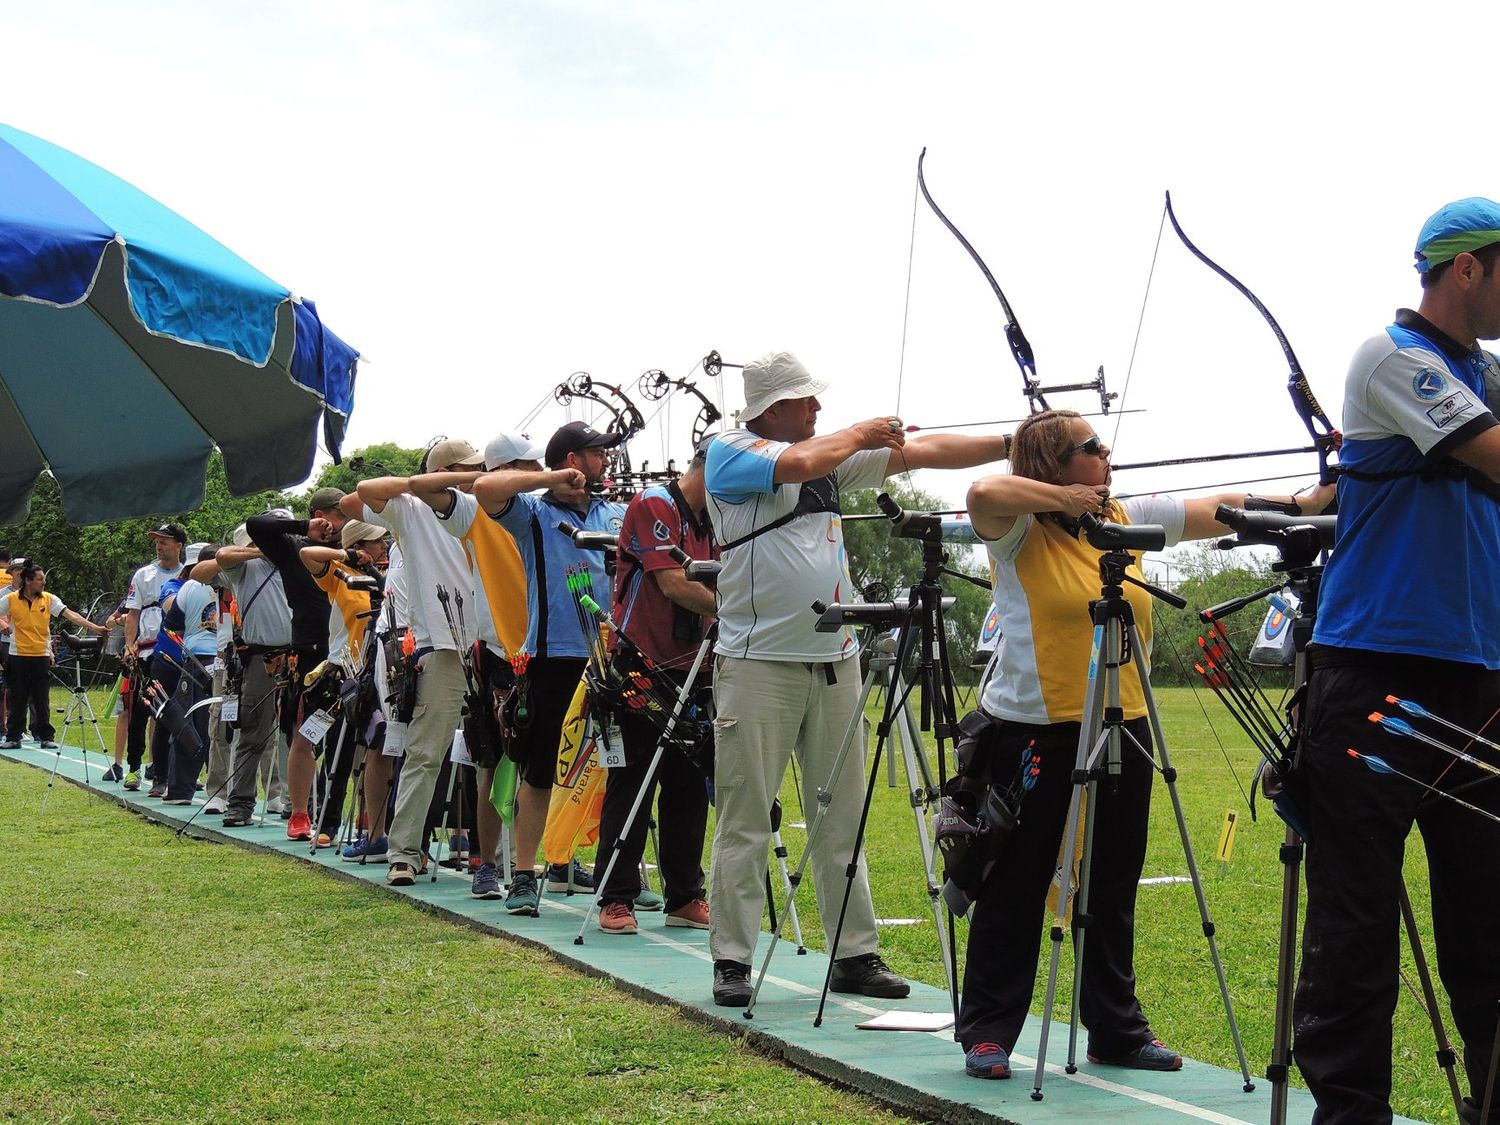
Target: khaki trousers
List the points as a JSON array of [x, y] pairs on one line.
[[440, 701], [766, 710]]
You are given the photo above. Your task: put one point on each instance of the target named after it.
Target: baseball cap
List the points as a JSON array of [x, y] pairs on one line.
[[169, 531], [358, 531], [322, 499], [452, 451], [1462, 226], [774, 378], [508, 446], [575, 437]]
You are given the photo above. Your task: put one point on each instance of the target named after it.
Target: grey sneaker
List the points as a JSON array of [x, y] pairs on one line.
[[524, 896], [1154, 1055], [486, 882]]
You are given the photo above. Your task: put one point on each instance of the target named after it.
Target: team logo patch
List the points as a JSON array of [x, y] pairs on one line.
[[1427, 383], [758, 443], [1450, 410], [615, 523], [661, 531]]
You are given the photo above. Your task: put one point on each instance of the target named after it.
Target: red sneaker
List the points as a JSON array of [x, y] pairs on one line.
[[694, 915], [618, 918], [299, 827]]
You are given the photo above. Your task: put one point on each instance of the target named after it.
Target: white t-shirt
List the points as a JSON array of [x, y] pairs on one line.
[[768, 584], [199, 603], [430, 558], [145, 595]]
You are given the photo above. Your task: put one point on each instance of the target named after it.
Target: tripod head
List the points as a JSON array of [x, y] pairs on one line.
[[1117, 541]]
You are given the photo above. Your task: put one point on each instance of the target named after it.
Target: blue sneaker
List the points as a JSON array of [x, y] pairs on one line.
[[486, 882], [523, 897], [986, 1060], [649, 900], [116, 772], [563, 878], [1154, 1055], [366, 850]]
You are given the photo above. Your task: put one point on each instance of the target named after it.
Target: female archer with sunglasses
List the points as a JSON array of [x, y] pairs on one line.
[[1046, 574]]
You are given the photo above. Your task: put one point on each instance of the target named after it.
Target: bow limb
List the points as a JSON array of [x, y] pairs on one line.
[[1020, 347], [1324, 436]]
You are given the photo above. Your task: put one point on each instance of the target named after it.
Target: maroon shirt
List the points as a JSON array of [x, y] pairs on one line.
[[658, 519]]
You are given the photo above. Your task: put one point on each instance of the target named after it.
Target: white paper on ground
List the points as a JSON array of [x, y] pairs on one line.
[[897, 1020]]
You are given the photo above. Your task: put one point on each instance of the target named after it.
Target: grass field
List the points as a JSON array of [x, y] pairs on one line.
[[184, 980]]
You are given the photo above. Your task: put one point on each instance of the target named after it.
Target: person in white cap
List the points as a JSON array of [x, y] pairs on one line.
[[499, 578], [576, 456], [432, 561], [779, 685]]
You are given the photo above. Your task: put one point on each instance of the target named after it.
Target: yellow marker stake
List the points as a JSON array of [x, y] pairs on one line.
[[1226, 840]]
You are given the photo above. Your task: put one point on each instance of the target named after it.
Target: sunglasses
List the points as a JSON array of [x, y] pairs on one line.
[[1090, 446]]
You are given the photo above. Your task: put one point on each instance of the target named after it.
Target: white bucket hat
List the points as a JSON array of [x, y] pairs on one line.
[[774, 378]]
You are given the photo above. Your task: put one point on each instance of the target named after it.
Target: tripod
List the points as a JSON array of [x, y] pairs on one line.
[[920, 627], [79, 710], [1101, 736]]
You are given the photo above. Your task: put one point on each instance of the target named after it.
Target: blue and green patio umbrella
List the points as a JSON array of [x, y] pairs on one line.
[[132, 344]]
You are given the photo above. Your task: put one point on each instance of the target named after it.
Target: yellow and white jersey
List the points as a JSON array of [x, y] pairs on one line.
[[498, 572], [346, 629], [1045, 579]]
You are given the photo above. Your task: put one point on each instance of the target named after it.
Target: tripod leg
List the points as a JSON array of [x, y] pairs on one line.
[[922, 793], [1169, 775], [1091, 740], [1278, 1070], [779, 850], [1445, 1056], [619, 844]]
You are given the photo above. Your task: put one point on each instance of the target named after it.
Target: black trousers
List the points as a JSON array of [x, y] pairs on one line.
[[186, 763], [552, 682], [140, 714], [1009, 917], [1358, 822], [28, 690], [682, 817]]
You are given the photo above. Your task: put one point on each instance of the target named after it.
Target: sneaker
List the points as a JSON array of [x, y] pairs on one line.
[[178, 801], [867, 975], [299, 827], [693, 915], [522, 897], [649, 901], [618, 918], [366, 850], [986, 1060], [237, 820], [10, 744], [458, 853], [214, 806], [1154, 1055], [150, 772], [48, 744], [486, 882], [325, 840], [279, 807], [116, 772], [563, 878], [400, 875], [133, 780], [731, 984], [158, 789]]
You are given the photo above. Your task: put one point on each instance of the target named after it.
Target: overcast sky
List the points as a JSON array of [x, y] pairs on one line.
[[484, 198]]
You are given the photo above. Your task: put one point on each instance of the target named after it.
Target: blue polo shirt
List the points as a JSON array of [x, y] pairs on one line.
[[553, 627], [1416, 568]]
